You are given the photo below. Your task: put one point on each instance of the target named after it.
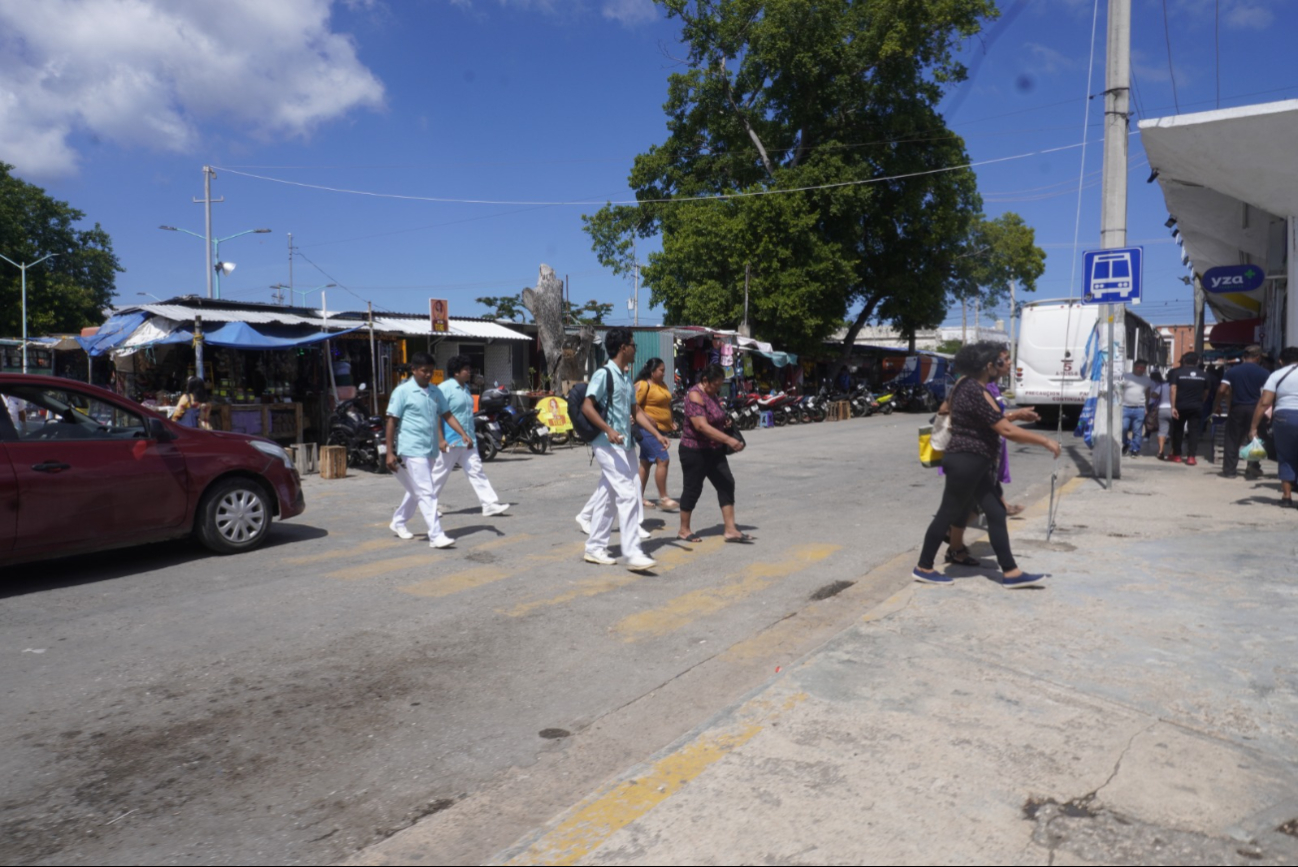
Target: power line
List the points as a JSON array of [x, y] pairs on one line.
[[339, 283], [1167, 36], [674, 200]]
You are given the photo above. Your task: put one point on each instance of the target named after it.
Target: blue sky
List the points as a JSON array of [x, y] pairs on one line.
[[115, 105]]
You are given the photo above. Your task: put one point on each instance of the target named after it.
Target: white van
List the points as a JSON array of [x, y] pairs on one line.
[[1052, 350], [1050, 368]]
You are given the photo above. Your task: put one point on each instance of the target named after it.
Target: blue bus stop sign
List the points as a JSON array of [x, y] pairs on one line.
[[1112, 276]]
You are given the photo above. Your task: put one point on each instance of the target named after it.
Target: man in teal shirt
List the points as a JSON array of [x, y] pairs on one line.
[[463, 444], [612, 390], [419, 411]]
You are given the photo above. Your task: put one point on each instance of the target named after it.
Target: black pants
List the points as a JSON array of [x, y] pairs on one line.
[[1238, 421], [710, 464], [970, 481], [1186, 428]]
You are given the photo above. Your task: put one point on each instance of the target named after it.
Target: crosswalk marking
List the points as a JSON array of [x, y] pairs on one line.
[[350, 550], [684, 610], [668, 559], [445, 585]]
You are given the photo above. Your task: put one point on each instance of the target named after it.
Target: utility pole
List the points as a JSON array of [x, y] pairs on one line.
[[23, 269], [1199, 298], [374, 364], [635, 297], [746, 329], [964, 322], [290, 266], [1014, 343], [207, 201], [1107, 450]]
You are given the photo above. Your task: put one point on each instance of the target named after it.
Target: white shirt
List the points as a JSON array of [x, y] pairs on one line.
[[1286, 395], [15, 406], [1133, 389]]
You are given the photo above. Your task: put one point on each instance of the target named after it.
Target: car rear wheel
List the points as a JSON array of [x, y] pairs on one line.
[[234, 516]]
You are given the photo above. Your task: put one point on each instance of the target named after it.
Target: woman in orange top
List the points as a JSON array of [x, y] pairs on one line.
[[656, 400]]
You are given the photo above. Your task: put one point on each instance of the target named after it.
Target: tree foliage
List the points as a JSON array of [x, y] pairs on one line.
[[65, 293], [508, 307], [781, 95], [590, 313]]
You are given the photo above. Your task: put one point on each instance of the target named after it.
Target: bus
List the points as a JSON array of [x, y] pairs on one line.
[[1050, 365]]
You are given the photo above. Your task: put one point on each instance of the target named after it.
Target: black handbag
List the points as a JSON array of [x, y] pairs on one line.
[[737, 434]]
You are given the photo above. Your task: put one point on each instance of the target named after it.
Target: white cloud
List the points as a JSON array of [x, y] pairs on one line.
[[630, 12], [149, 72], [1249, 17], [1045, 60]]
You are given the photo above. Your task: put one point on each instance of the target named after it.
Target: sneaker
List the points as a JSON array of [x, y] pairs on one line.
[[1176, 459], [640, 563], [441, 511], [934, 577], [402, 532], [442, 541], [1024, 580], [1229, 476], [600, 558], [495, 509], [644, 534], [583, 525], [1191, 462]]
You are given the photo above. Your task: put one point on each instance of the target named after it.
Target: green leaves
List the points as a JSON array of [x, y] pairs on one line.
[[65, 293], [787, 95], [505, 307]]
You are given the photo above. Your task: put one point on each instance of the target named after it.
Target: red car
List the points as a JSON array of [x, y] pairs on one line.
[[82, 469]]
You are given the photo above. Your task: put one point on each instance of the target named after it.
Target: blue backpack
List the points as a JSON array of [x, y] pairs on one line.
[[581, 426]]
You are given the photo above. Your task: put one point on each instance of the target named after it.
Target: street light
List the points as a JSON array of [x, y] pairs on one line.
[[23, 268], [305, 292], [220, 267], [151, 295]]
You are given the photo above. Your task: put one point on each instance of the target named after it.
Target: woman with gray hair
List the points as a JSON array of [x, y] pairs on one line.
[[971, 464]]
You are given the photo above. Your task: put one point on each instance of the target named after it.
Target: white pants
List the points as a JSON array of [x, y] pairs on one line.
[[416, 476], [467, 457], [619, 487]]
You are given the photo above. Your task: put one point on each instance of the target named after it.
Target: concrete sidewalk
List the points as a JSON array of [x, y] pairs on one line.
[[1142, 707]]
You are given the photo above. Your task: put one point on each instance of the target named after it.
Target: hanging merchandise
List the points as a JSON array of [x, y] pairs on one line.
[[748, 365]]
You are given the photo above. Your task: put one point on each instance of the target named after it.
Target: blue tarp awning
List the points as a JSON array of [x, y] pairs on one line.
[[241, 335], [112, 332]]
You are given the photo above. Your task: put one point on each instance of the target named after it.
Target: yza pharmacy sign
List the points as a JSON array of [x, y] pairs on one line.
[[1233, 278]]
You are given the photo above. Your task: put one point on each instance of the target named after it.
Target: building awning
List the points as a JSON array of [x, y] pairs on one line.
[[474, 329], [1229, 180], [116, 330], [232, 335]]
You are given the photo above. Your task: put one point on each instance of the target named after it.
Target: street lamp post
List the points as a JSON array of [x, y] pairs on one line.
[[218, 267], [306, 292], [23, 269]]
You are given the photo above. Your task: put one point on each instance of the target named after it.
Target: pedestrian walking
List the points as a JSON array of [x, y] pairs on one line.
[[970, 464], [1136, 387], [615, 413], [704, 441], [1280, 396], [1240, 391], [1161, 401], [192, 410], [1189, 390], [461, 439], [653, 396], [414, 439]]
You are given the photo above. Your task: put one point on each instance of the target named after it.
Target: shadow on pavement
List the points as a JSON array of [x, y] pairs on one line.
[[44, 575]]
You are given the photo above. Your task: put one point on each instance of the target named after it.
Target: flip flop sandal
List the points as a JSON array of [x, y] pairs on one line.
[[667, 504], [692, 539], [741, 539], [961, 557]]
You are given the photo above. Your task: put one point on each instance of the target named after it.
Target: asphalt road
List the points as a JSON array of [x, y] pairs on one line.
[[299, 703]]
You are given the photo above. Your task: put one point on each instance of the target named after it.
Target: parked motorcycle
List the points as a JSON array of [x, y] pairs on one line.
[[514, 425], [488, 435], [352, 427], [916, 398], [782, 406]]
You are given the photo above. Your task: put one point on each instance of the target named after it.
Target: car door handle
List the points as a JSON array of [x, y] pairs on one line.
[[51, 467]]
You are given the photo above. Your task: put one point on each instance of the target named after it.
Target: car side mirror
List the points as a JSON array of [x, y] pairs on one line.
[[159, 431]]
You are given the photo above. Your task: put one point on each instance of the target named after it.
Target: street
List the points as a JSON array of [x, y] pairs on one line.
[[299, 703]]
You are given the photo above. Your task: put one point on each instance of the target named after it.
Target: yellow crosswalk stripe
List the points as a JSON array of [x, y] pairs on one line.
[[456, 582], [668, 559], [349, 551], [684, 610]]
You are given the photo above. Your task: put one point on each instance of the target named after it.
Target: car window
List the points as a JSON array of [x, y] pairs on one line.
[[66, 414]]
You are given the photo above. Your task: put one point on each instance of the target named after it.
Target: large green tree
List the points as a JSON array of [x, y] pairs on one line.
[[784, 95], [65, 293]]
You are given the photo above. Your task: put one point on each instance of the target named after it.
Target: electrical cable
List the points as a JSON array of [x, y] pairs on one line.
[[1171, 73], [1052, 512], [666, 201]]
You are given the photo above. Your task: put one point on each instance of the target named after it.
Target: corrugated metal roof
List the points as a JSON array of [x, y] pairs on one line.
[[459, 328], [182, 313]]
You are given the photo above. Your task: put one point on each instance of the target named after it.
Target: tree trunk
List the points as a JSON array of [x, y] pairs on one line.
[[849, 339]]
